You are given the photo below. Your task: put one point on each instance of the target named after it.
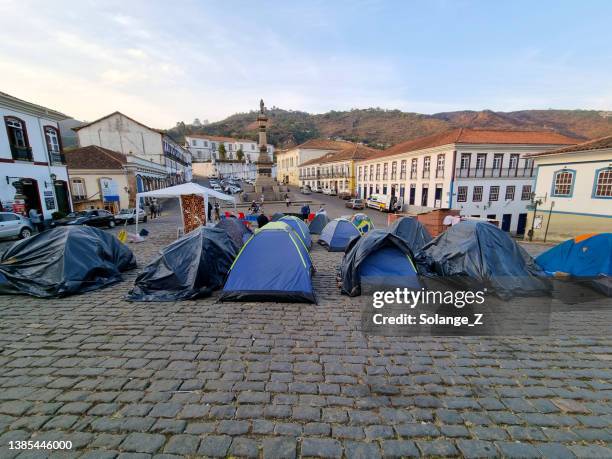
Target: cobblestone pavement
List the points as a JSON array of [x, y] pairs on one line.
[[207, 379]]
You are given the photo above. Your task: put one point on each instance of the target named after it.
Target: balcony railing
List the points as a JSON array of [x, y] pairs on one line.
[[494, 173], [21, 153], [439, 173], [426, 174], [413, 174]]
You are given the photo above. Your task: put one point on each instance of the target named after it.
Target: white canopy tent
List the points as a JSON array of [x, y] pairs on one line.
[[183, 189]]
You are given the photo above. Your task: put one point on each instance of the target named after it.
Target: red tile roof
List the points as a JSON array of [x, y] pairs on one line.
[[94, 157], [324, 144], [478, 136], [597, 144], [352, 151]]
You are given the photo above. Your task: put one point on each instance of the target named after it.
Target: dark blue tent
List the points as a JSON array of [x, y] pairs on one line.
[[412, 232], [318, 223], [379, 261], [236, 229], [584, 258], [337, 234], [300, 228], [478, 254], [274, 265]]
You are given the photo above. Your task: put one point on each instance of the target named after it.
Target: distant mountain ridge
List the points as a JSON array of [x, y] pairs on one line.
[[382, 128]]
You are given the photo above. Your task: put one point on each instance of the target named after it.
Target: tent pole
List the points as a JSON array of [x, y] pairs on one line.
[[182, 215], [206, 208], [137, 209]]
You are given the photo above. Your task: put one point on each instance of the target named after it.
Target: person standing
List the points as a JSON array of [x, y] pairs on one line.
[[152, 210], [305, 211], [36, 219], [158, 208], [217, 212], [209, 213], [287, 200]]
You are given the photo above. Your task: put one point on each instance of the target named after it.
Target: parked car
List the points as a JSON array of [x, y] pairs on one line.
[[327, 191], [94, 217], [355, 204], [217, 188], [305, 190], [316, 189], [129, 215], [15, 225], [333, 192], [344, 195]]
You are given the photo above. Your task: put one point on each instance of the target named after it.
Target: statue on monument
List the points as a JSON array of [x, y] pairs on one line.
[[261, 106]]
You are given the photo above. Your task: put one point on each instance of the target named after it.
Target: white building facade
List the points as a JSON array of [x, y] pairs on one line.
[[484, 174], [33, 169], [118, 132], [206, 148], [573, 190]]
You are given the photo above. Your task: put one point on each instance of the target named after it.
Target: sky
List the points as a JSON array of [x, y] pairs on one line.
[[163, 62]]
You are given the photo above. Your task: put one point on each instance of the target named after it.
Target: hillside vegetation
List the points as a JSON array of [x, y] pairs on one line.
[[381, 128]]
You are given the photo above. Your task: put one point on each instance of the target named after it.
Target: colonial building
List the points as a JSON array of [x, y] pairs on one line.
[[288, 161], [335, 170], [106, 179], [206, 148], [120, 133], [33, 171], [573, 191], [483, 173]]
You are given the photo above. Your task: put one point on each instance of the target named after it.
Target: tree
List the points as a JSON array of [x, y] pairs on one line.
[[240, 154], [222, 152]]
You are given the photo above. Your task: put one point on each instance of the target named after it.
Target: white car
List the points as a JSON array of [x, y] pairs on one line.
[[217, 188], [15, 225], [327, 191], [129, 216]]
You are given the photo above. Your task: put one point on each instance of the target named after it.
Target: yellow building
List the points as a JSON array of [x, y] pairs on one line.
[[335, 170], [288, 161], [573, 191]]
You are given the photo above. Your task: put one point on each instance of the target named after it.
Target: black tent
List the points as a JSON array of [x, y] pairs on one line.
[[191, 267], [318, 223], [277, 216], [382, 260], [477, 255], [412, 232], [63, 261], [236, 229]]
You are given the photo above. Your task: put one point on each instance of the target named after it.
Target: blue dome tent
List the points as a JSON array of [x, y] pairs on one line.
[[274, 265], [300, 228], [379, 261], [317, 224], [337, 234], [412, 232], [585, 258]]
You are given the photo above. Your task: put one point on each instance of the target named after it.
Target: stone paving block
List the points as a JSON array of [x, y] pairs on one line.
[[214, 445], [279, 448], [182, 444], [362, 450], [321, 447], [437, 448], [554, 451], [473, 449], [244, 447], [517, 450], [591, 451], [143, 442]]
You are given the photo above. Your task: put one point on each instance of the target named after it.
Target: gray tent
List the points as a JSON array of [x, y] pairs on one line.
[[318, 223]]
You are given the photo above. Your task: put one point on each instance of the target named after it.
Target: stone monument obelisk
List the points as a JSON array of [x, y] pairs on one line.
[[264, 183]]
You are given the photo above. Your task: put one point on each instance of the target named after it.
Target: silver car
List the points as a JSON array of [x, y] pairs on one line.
[[15, 225]]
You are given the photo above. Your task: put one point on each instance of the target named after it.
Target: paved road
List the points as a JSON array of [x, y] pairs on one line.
[[207, 379]]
